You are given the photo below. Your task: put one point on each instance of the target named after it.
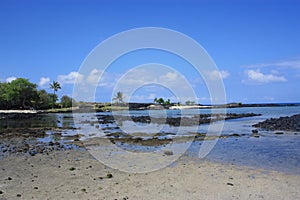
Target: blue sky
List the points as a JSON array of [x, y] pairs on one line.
[[255, 44]]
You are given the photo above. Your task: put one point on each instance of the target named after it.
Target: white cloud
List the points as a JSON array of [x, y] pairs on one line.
[[154, 79], [216, 75], [71, 78], [255, 76], [94, 76], [160, 76], [44, 81], [139, 76], [10, 79], [293, 63], [107, 79], [170, 76]]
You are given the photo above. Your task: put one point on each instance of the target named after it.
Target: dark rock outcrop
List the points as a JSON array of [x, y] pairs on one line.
[[283, 123], [174, 121]]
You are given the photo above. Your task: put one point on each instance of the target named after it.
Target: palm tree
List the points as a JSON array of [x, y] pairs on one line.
[[160, 101], [118, 97], [55, 86]]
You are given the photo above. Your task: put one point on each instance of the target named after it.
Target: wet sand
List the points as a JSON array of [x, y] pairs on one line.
[[74, 174], [31, 169]]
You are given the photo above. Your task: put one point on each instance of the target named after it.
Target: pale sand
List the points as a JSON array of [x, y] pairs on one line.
[[50, 177], [18, 111]]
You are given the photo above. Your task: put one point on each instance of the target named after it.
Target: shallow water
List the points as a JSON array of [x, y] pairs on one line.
[[269, 151]]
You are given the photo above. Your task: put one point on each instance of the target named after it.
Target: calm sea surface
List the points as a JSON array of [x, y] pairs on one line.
[[269, 151]]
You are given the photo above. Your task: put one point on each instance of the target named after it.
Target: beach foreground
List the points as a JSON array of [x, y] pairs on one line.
[[76, 175]]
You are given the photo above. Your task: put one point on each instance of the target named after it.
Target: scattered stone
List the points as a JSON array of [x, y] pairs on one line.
[[231, 184], [72, 168], [254, 131], [279, 133], [35, 188], [1, 192], [168, 153], [109, 175], [255, 135], [19, 195]]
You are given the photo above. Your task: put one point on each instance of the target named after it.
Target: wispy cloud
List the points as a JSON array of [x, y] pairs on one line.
[[257, 77], [107, 79], [44, 81], [154, 78], [277, 71], [216, 75], [70, 78], [292, 63]]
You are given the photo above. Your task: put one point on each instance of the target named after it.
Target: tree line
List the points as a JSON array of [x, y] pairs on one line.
[[22, 94]]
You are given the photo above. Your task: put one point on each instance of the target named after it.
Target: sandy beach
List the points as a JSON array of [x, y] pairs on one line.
[[77, 175]]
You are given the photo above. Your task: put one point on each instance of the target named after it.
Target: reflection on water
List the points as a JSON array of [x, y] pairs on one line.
[[51, 120]]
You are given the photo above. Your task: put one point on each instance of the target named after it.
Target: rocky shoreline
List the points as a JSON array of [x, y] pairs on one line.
[[31, 140], [175, 121], [291, 123]]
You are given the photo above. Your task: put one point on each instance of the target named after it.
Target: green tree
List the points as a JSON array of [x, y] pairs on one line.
[[21, 93], [66, 101], [4, 104], [168, 102], [118, 98], [160, 101], [44, 100], [54, 98], [55, 86], [155, 100]]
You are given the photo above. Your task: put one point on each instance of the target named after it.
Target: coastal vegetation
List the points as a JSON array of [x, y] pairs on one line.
[[161, 101], [22, 94]]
